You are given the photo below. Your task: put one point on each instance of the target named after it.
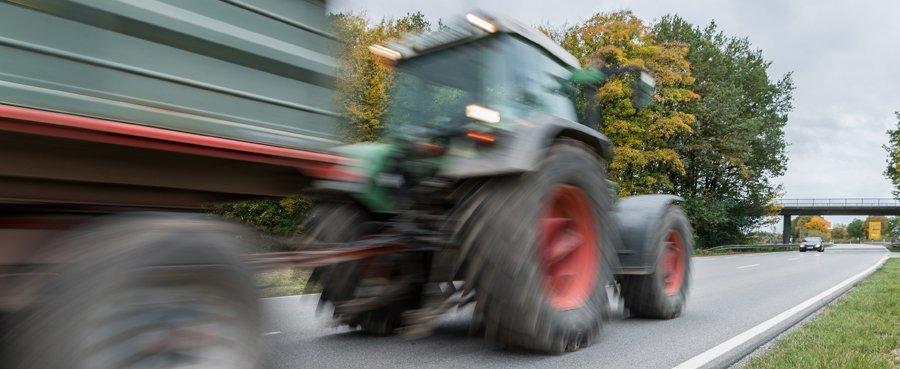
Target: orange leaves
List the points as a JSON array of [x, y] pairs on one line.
[[645, 156], [817, 223]]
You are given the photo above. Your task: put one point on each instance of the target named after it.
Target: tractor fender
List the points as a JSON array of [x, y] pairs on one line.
[[522, 148], [639, 221]]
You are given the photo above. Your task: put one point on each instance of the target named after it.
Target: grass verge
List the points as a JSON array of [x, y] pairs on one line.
[[861, 330], [710, 252], [284, 282]]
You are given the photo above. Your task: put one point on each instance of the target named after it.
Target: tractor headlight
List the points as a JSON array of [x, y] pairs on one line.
[[482, 114]]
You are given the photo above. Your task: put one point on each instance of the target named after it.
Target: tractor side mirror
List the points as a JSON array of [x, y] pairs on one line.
[[590, 79], [642, 90]]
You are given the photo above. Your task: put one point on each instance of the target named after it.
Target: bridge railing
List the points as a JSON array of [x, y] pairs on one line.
[[846, 202]]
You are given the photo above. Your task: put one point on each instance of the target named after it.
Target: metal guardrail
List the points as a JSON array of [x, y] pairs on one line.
[[847, 202]]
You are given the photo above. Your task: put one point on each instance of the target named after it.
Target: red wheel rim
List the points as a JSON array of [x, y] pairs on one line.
[[673, 263], [568, 247]]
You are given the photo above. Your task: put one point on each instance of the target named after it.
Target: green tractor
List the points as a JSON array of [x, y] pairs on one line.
[[494, 194]]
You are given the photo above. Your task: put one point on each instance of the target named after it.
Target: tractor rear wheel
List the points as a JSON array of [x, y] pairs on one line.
[[662, 293], [540, 251]]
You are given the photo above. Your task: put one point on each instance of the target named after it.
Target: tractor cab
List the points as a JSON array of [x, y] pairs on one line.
[[477, 78]]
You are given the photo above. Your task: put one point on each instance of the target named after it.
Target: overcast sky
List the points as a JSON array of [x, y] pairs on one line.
[[845, 57]]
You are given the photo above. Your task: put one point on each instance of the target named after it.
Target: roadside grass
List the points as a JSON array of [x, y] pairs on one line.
[[284, 282], [861, 330], [713, 251]]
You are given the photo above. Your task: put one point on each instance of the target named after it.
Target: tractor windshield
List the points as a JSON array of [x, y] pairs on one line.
[[431, 91]]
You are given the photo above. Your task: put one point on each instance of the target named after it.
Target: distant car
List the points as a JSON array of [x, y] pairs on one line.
[[812, 243]]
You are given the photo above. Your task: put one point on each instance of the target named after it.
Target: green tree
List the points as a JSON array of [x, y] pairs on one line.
[[856, 229], [797, 229], [279, 217], [736, 146], [839, 232], [645, 157], [891, 228], [892, 172], [364, 83]]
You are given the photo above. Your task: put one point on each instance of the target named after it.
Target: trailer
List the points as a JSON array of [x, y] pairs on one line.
[[120, 121]]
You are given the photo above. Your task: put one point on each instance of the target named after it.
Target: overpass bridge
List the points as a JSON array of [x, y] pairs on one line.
[[837, 206]]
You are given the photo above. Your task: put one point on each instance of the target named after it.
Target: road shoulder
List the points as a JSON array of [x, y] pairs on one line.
[[859, 330]]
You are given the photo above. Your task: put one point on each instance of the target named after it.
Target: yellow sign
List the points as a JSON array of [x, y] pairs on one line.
[[875, 230]]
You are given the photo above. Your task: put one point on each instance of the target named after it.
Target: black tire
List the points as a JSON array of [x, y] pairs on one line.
[[162, 289], [822, 249], [646, 295], [504, 266], [802, 250], [334, 222]]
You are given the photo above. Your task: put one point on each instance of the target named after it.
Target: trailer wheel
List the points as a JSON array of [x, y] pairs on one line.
[[541, 252], [380, 311], [662, 293], [145, 291]]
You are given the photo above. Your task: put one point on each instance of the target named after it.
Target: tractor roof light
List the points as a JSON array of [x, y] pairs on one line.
[[482, 23], [385, 52]]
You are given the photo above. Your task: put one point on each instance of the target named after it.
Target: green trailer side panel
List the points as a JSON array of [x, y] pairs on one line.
[[259, 71]]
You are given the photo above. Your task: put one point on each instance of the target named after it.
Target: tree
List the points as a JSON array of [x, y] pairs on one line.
[[891, 229], [364, 85], [817, 223], [810, 225], [839, 232], [645, 157], [797, 229], [737, 143], [892, 172], [856, 229]]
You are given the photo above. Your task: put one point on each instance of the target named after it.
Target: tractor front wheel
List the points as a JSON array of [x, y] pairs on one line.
[[662, 293]]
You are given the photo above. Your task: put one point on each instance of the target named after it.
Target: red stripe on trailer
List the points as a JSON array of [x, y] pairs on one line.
[[46, 123]]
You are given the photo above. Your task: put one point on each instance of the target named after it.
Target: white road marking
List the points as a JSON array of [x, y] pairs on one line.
[[709, 355], [747, 266], [271, 333], [792, 259]]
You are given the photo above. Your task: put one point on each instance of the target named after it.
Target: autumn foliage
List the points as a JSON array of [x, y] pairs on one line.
[[645, 160], [819, 224]]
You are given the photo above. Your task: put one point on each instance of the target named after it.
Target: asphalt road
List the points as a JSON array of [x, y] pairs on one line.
[[729, 295]]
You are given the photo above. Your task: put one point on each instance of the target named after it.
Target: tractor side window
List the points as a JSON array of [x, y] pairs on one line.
[[542, 82]]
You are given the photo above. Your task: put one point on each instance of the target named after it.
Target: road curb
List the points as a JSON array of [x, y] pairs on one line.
[[732, 350]]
